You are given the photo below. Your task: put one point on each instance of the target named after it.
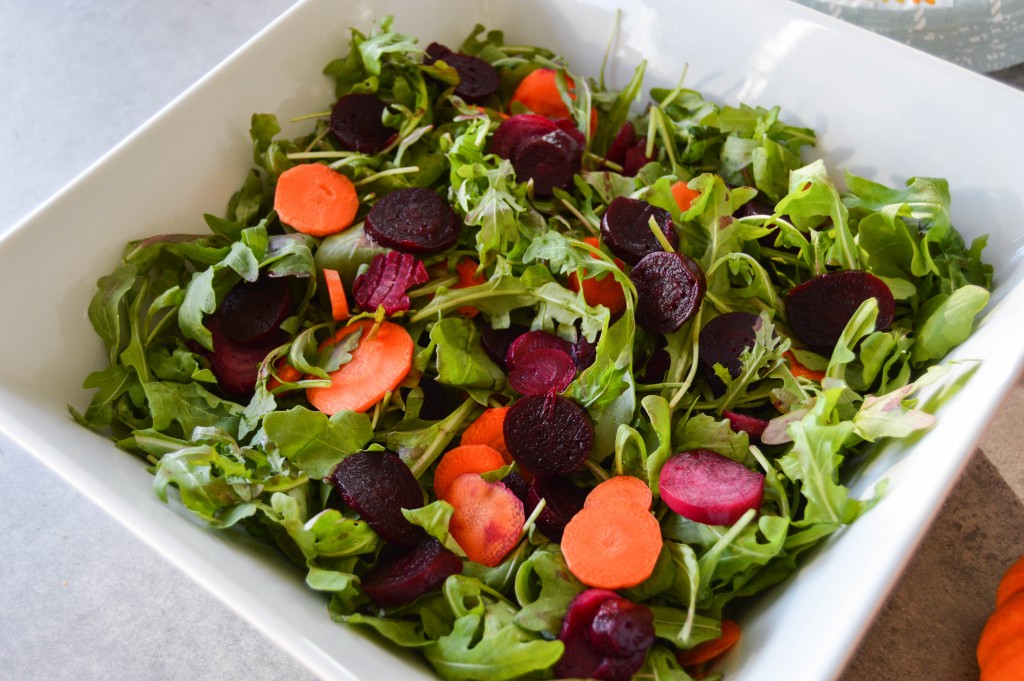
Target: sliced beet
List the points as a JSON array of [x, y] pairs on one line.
[[496, 342], [584, 353], [636, 158], [819, 309], [670, 288], [514, 129], [530, 342], [550, 160], [548, 434], [401, 577], [357, 123], [436, 51], [709, 488], [253, 312], [478, 80], [378, 485], [624, 139], [751, 425], [625, 227], [542, 371], [413, 220], [236, 365], [517, 485], [620, 624], [563, 500], [386, 281], [723, 340]]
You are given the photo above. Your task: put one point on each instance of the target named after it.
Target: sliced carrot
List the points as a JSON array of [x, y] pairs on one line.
[[620, 492], [608, 547], [487, 518], [461, 460], [1012, 582], [315, 200], [603, 290], [683, 195], [708, 650], [286, 372], [379, 364], [538, 92], [799, 370], [466, 268], [1000, 638], [336, 292], [488, 430]]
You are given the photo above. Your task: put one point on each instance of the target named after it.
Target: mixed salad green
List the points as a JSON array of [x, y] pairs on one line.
[[262, 461]]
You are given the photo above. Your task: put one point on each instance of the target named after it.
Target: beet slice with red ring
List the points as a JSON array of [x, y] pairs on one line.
[[236, 365], [253, 312], [377, 486], [413, 220], [562, 500], [496, 342], [548, 434], [819, 309], [542, 371], [386, 281], [709, 488], [606, 637], [357, 123], [625, 228], [516, 128], [745, 423], [401, 576], [670, 288]]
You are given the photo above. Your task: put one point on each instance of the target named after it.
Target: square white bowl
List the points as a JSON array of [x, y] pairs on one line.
[[881, 110]]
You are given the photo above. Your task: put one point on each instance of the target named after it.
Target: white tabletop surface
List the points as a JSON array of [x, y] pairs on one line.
[[83, 599]]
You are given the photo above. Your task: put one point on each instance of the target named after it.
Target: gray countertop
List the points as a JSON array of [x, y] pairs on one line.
[[84, 599]]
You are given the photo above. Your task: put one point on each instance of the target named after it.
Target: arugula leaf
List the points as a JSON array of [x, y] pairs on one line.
[[314, 442]]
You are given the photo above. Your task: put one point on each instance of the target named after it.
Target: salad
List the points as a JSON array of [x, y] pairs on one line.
[[539, 377]]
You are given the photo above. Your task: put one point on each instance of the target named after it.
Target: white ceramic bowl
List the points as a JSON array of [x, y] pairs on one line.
[[881, 110]]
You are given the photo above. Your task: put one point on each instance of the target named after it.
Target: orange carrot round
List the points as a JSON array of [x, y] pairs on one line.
[[600, 291], [538, 92], [683, 195], [487, 518], [336, 292], [620, 492], [799, 370], [379, 363], [315, 200], [487, 430], [466, 268], [607, 547], [461, 460], [1012, 582], [708, 650]]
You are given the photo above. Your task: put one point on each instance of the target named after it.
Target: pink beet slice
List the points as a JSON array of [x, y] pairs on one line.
[[530, 342], [405, 575], [496, 342], [235, 364], [563, 500], [413, 220], [708, 488], [606, 637], [377, 486], [751, 425], [548, 434], [385, 283], [517, 128], [542, 371], [357, 123], [819, 309]]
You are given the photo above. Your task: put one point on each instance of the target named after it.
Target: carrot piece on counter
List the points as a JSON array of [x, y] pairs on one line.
[[461, 460], [379, 363], [315, 200]]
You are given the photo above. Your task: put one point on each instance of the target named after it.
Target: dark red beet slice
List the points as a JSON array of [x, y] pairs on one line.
[[550, 160], [636, 158], [624, 139], [413, 220], [670, 288], [390, 275], [563, 500], [378, 485], [819, 309], [622, 627], [517, 128], [401, 578], [708, 488], [436, 51], [518, 486], [625, 227], [584, 353], [548, 434], [567, 125], [723, 340], [357, 124], [542, 371], [584, 659], [496, 342], [478, 80], [235, 364], [253, 312], [751, 425], [530, 342]]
